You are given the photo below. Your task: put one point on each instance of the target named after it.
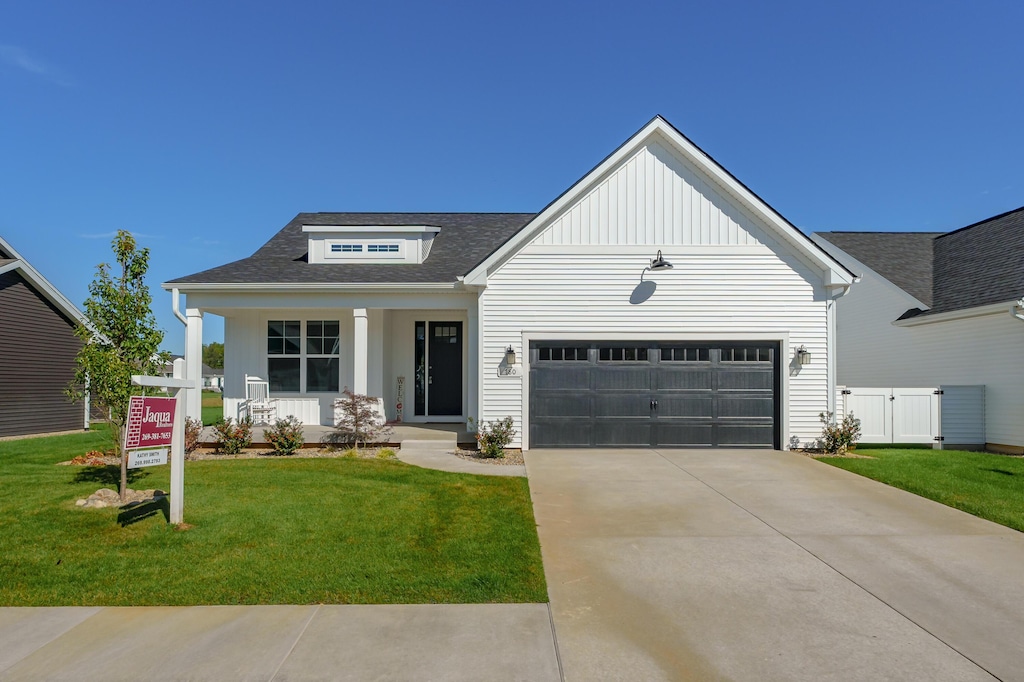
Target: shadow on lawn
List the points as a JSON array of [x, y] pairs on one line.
[[1001, 471], [140, 511], [110, 474]]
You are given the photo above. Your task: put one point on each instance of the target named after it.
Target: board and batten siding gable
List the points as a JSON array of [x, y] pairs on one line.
[[654, 197], [731, 281], [37, 362]]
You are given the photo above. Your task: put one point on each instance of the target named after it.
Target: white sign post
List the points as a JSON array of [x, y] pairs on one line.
[[174, 386]]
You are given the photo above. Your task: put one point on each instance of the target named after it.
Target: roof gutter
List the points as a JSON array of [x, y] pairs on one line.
[[278, 287], [1016, 308]]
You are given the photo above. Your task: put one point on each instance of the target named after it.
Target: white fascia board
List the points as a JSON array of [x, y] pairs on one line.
[[838, 253], [309, 287], [406, 229], [41, 284], [837, 274], [966, 313]]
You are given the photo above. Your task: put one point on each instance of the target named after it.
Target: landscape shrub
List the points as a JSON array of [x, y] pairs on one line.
[[359, 422], [493, 437], [232, 437], [193, 431], [838, 437], [386, 453], [285, 436]]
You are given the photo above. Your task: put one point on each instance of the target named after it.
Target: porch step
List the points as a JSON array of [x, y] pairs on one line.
[[435, 444]]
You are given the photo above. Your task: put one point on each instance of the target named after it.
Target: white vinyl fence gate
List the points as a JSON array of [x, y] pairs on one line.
[[946, 416]]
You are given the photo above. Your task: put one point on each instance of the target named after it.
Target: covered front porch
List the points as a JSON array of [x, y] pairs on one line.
[[416, 352]]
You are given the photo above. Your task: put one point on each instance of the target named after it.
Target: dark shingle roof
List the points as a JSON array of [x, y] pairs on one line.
[[976, 265], [980, 264], [464, 241], [903, 258]]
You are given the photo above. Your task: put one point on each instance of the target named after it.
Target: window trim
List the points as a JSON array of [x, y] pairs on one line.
[[303, 356]]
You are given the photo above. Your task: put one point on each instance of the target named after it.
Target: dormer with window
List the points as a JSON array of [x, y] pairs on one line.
[[370, 244]]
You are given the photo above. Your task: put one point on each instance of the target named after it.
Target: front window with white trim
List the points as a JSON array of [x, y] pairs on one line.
[[310, 364]]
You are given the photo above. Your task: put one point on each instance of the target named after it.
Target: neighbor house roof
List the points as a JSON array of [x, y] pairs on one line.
[[11, 260], [464, 240], [903, 258], [977, 265]]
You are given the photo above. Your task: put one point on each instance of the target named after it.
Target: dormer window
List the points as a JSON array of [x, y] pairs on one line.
[[369, 244]]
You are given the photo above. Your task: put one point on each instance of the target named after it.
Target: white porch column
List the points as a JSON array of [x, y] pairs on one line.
[[194, 362], [473, 363], [360, 350]]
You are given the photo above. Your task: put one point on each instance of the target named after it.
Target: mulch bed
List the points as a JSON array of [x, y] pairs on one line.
[[511, 458]]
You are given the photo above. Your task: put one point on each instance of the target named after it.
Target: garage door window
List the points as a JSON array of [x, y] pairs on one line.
[[623, 354], [682, 354], [746, 354], [563, 353]]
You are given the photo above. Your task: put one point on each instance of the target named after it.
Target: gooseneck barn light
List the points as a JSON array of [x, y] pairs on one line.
[[657, 263]]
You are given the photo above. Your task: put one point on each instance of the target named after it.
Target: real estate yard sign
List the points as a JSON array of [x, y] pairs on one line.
[[150, 425]]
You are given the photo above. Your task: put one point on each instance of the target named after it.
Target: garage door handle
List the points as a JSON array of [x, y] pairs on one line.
[[654, 404]]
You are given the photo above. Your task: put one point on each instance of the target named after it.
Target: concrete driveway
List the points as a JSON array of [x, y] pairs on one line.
[[753, 565]]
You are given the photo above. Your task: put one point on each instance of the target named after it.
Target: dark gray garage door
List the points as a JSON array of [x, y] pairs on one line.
[[669, 394]]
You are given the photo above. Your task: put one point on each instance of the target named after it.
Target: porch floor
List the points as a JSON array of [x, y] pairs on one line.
[[453, 433]]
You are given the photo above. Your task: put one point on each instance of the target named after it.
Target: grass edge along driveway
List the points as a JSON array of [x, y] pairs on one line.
[[268, 531], [979, 483]]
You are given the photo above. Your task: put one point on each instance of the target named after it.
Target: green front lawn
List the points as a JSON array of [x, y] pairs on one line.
[[983, 484], [213, 407], [281, 531]]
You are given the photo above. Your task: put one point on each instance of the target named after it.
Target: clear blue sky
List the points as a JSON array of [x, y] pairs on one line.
[[204, 127]]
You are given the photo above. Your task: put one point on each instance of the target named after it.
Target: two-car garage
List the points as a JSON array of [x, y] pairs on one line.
[[667, 394]]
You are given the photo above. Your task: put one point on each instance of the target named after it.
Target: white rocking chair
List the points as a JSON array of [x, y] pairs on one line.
[[259, 406]]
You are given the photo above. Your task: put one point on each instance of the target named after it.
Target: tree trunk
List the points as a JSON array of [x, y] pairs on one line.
[[124, 476]]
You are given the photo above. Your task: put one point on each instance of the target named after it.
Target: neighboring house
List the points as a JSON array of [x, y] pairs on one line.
[[38, 347], [939, 309], [427, 309]]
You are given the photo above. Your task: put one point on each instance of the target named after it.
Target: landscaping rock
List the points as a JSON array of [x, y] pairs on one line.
[[105, 497]]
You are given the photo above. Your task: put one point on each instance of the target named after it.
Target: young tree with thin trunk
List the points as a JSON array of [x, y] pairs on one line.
[[120, 339]]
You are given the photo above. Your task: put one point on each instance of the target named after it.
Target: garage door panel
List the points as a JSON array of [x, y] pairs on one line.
[[563, 404], [736, 379], [684, 434], [556, 377], [738, 435], [686, 406], [756, 407], [608, 378], [620, 432], [669, 378], [628, 405], [560, 433]]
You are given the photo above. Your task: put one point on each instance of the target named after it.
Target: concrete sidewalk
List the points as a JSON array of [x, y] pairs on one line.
[[217, 643], [754, 565]]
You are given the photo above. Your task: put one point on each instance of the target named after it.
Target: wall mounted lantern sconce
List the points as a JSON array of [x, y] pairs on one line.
[[657, 263], [803, 356], [510, 356]]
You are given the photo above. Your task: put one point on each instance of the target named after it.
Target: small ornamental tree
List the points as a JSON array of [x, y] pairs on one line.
[[359, 421], [120, 339]]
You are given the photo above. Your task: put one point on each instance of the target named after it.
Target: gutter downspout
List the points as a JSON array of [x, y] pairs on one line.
[[176, 308]]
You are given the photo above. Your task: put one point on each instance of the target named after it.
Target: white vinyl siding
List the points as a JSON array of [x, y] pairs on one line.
[[746, 295]]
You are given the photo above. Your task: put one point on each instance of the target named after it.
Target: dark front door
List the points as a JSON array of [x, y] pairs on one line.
[[444, 369]]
